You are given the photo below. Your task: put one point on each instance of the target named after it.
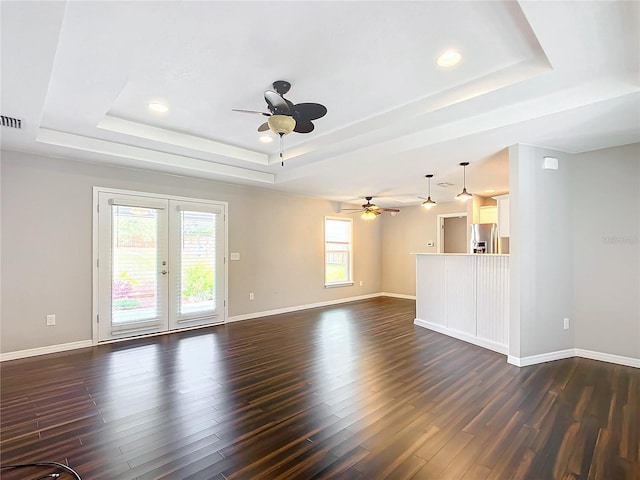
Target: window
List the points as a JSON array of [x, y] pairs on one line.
[[338, 251]]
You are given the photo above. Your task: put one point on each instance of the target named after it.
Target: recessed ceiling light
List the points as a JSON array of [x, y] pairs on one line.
[[449, 58], [266, 139], [158, 107]]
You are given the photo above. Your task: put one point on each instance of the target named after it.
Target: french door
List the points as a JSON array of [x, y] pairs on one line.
[[160, 264]]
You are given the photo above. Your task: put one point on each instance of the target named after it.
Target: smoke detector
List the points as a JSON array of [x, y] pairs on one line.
[[445, 184]]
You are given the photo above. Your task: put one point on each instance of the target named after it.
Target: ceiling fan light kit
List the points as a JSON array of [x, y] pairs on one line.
[[285, 116], [369, 210], [281, 124], [464, 195]]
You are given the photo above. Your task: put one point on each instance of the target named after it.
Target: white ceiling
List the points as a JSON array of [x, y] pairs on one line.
[[562, 75]]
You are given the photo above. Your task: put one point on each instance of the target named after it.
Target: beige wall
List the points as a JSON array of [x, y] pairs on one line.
[[47, 237], [406, 233]]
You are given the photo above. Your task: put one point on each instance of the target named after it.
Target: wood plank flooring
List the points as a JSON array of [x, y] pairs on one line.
[[344, 392]]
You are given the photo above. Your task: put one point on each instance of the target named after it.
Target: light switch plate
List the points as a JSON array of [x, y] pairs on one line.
[[235, 256]]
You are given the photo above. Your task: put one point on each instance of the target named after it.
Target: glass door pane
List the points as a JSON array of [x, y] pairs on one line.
[[197, 259], [197, 262], [134, 273], [132, 270]]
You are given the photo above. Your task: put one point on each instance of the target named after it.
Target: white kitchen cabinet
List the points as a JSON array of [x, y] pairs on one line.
[[488, 214], [503, 215]]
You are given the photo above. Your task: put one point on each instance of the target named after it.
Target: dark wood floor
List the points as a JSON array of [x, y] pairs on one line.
[[350, 391]]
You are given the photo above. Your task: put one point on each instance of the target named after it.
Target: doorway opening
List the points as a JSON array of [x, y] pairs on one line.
[[453, 233]]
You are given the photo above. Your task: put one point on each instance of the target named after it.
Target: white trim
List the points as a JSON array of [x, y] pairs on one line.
[[574, 352], [608, 357], [398, 295], [33, 352], [340, 284], [277, 311], [171, 137], [465, 337], [541, 358], [150, 159]]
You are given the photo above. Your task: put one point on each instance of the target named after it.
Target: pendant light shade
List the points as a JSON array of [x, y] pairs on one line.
[[464, 195], [281, 124], [368, 215], [428, 203]]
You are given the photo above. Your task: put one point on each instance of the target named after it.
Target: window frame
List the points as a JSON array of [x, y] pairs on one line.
[[349, 281]]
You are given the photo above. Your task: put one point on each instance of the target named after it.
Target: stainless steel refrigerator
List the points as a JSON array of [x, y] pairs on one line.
[[484, 238]]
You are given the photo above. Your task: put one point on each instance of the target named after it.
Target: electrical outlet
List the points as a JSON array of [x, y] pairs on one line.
[[51, 320], [251, 296], [566, 323], [361, 283]]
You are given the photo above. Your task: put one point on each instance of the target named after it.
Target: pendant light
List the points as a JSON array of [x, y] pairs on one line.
[[428, 203], [464, 195]]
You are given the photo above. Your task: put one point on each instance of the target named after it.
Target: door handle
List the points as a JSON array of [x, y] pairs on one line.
[[164, 272]]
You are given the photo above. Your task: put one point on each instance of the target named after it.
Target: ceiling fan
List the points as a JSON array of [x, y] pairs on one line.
[[284, 116], [371, 210]]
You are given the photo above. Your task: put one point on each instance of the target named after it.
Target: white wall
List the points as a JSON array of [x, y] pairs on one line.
[[605, 187], [541, 251], [575, 253], [47, 237]]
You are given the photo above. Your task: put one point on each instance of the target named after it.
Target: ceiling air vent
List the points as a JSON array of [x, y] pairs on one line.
[[11, 122]]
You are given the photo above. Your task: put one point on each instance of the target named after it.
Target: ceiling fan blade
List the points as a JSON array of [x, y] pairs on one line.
[[309, 111], [250, 111], [277, 105], [390, 210], [264, 127], [350, 209], [303, 126]]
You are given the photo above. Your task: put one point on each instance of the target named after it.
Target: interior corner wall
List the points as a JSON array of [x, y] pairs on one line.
[[541, 256], [605, 187], [407, 233], [46, 251]]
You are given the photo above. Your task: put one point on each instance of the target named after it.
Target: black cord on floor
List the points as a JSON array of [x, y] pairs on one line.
[[60, 466]]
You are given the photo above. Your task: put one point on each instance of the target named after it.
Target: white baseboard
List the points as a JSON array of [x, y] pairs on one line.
[[541, 358], [465, 337], [398, 295], [608, 357], [33, 352], [277, 311], [573, 352]]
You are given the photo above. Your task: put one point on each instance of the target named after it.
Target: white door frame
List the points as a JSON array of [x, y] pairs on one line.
[[95, 252], [441, 218]]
